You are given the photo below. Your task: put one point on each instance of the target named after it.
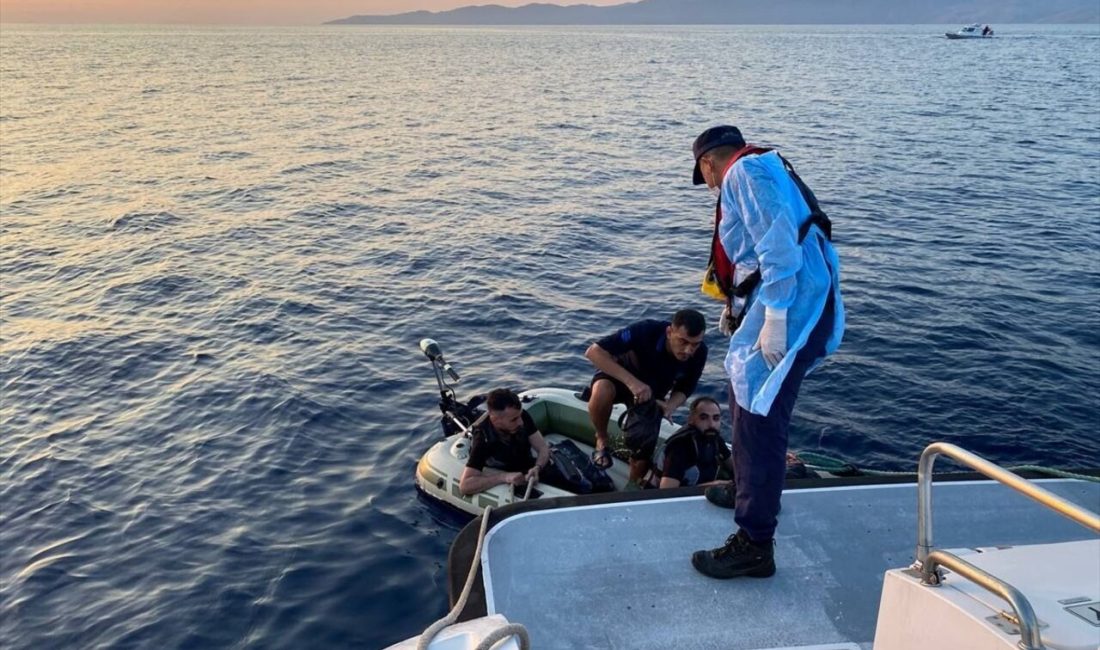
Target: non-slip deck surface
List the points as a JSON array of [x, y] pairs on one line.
[[619, 575]]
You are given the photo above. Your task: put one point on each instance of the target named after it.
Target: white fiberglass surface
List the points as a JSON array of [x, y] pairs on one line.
[[620, 576]]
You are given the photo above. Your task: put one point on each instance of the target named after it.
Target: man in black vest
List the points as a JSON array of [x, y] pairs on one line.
[[694, 454], [503, 441]]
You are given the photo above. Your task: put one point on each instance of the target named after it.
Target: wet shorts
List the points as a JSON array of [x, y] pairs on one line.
[[622, 393]]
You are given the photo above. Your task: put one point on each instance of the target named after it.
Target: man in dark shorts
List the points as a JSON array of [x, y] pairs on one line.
[[503, 441], [694, 454], [651, 366]]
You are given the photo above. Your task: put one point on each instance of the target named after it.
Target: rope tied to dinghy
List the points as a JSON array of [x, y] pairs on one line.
[[825, 463], [497, 635]]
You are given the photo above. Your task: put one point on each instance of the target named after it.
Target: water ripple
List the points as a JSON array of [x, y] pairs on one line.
[[213, 283]]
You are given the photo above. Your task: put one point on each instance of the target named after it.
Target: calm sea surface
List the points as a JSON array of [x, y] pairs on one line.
[[221, 246]]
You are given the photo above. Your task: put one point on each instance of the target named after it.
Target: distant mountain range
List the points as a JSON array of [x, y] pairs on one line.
[[742, 12]]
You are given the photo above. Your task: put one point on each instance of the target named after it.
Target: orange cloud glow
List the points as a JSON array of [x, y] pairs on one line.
[[246, 12]]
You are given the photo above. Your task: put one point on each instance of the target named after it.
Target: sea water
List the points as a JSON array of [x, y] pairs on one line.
[[220, 247]]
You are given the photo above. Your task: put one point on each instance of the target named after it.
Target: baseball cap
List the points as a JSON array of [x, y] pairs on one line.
[[716, 136]]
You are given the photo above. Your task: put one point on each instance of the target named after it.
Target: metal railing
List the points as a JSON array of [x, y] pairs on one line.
[[1030, 637], [929, 560]]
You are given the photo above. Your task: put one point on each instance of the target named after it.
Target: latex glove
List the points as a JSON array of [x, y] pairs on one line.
[[772, 342], [725, 322]]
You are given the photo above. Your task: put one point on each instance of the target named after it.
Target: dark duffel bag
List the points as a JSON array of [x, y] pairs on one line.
[[571, 469]]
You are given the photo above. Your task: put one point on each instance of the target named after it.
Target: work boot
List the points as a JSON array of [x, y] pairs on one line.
[[723, 496], [739, 557]]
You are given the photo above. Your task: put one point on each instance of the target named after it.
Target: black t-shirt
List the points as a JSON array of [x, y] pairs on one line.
[[506, 452], [693, 457], [652, 362]]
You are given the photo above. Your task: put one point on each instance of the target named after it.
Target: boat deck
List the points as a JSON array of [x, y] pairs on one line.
[[587, 577]]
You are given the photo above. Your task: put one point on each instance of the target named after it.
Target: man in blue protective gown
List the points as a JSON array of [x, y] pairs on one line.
[[773, 262]]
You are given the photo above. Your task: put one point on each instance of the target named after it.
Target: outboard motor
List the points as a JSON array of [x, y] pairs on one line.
[[457, 417]]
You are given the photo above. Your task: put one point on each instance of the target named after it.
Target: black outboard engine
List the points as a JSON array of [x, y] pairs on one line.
[[457, 417]]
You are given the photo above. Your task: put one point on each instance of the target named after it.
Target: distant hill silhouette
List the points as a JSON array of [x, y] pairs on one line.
[[740, 12]]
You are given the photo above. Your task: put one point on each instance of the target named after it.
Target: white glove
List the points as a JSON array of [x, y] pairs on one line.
[[773, 336], [725, 322]]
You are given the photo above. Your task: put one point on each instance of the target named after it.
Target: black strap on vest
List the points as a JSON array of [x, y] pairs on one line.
[[817, 218]]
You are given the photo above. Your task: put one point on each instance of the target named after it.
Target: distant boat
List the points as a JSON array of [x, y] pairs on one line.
[[972, 31]]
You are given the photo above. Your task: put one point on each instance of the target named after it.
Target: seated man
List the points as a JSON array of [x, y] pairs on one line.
[[693, 455], [639, 366], [503, 441]]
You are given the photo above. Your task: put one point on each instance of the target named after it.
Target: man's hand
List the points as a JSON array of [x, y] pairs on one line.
[[725, 322], [641, 392], [772, 342], [515, 478], [666, 410], [533, 474]]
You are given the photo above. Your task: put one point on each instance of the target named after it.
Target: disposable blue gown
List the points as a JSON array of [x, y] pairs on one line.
[[762, 210]]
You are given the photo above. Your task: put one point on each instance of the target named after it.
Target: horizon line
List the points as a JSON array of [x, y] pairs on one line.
[[356, 25]]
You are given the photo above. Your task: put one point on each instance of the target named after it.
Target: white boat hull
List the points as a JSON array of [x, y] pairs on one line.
[[607, 567], [975, 30]]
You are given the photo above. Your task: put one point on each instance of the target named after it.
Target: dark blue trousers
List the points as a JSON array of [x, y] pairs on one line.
[[760, 442]]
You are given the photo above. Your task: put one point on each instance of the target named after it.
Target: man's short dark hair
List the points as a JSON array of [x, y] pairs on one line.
[[500, 399], [691, 320], [723, 152], [703, 400]]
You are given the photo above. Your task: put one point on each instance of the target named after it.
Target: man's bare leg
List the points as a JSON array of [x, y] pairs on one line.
[[600, 404], [638, 470]]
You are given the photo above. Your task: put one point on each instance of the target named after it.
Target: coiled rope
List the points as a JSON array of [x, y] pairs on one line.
[[497, 635]]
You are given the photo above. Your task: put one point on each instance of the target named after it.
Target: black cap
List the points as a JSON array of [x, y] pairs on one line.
[[715, 136]]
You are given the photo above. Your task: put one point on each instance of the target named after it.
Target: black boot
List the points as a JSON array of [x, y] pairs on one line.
[[739, 557], [723, 496]]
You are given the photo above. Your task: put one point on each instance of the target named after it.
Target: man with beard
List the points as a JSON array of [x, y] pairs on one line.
[[694, 454], [503, 441]]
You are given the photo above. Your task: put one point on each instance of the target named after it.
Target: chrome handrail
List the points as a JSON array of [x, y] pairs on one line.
[[997, 473], [1030, 637], [929, 561]]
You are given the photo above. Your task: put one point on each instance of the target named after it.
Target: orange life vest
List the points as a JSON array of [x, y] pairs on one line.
[[718, 280]]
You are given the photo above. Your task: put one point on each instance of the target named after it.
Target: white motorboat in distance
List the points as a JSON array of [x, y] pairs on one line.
[[974, 30]]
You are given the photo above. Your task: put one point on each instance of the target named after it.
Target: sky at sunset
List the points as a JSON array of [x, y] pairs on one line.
[[251, 12]]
